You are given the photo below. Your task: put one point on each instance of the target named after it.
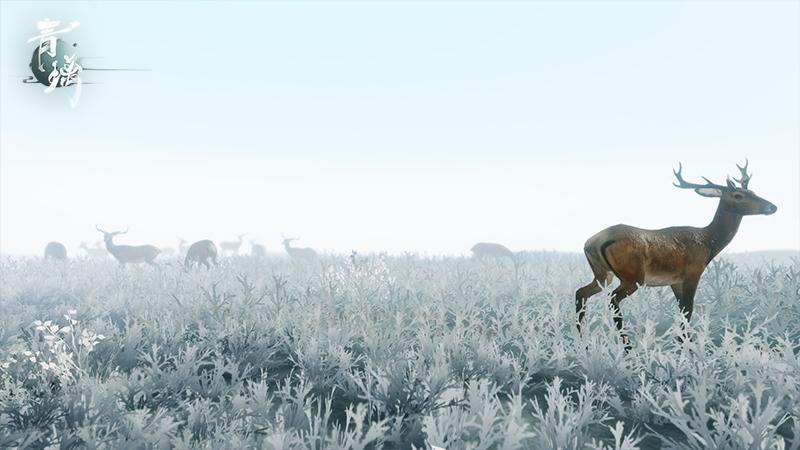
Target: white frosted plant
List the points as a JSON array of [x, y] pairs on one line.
[[742, 422], [563, 421], [480, 421], [61, 350], [382, 351]]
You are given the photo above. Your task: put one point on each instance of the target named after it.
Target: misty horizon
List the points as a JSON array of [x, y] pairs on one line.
[[532, 125]]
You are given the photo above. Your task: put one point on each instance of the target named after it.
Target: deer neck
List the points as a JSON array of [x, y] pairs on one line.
[[110, 246], [722, 229]]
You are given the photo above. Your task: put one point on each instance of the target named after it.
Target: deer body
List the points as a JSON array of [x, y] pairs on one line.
[[257, 250], [55, 250], [182, 245], [96, 252], [129, 254], [299, 253], [674, 256], [487, 250], [232, 246], [200, 252]]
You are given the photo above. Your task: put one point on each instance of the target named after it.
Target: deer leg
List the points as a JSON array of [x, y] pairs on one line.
[[580, 299], [205, 263], [686, 302], [685, 292], [623, 290]]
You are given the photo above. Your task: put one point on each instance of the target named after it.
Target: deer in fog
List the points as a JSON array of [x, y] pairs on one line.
[[199, 253], [490, 250], [183, 246], [125, 254], [55, 250], [675, 256], [96, 252], [232, 246], [257, 250], [298, 253]]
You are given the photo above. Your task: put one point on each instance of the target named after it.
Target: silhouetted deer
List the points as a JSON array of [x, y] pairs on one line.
[[257, 250], [96, 252], [55, 250], [199, 253], [490, 250], [232, 246], [298, 253], [126, 254]]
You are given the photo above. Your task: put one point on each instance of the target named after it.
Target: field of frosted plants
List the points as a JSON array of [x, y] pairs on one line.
[[392, 352]]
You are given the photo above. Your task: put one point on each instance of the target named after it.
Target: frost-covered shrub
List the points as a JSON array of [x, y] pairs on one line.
[[382, 352]]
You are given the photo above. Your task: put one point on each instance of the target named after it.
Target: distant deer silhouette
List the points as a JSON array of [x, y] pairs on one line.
[[183, 245], [490, 250], [298, 253], [129, 254], [199, 253], [96, 252], [257, 250], [55, 250], [232, 246]]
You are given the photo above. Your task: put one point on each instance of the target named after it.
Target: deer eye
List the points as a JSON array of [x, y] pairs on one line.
[[738, 196]]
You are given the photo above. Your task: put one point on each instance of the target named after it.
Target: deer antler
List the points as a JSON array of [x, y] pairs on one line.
[[683, 184], [745, 180], [100, 229]]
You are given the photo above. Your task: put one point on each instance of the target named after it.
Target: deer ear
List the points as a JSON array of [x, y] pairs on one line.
[[709, 192]]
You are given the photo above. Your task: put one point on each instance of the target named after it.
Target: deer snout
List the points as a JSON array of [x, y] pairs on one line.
[[770, 209]]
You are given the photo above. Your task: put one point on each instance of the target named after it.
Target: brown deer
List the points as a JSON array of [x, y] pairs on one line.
[[674, 256], [129, 253]]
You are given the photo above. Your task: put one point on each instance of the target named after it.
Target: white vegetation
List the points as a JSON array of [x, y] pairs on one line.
[[391, 352]]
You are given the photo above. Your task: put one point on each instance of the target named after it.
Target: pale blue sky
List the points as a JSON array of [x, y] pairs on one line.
[[399, 126]]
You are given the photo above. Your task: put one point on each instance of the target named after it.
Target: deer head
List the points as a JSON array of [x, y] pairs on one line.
[[734, 199], [108, 236]]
